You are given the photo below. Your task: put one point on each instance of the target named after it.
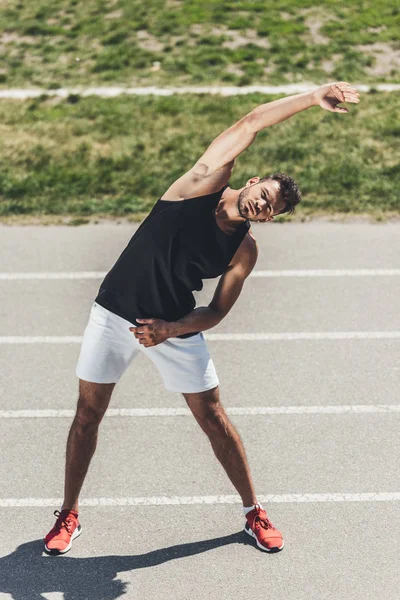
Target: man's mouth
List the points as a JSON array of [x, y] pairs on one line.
[[252, 208]]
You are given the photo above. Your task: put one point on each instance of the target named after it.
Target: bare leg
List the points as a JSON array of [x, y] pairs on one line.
[[82, 439], [224, 439]]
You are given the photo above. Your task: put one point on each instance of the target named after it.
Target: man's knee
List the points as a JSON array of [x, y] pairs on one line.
[[92, 403], [216, 422], [209, 412]]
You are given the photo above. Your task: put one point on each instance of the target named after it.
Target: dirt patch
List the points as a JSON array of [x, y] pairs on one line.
[[10, 38], [57, 20], [328, 65], [386, 58], [147, 41], [234, 70], [197, 29], [314, 19], [376, 29], [116, 14], [248, 36], [268, 70], [18, 141], [236, 38], [314, 24]]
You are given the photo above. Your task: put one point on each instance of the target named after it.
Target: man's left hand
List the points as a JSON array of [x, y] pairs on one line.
[[328, 96], [151, 332]]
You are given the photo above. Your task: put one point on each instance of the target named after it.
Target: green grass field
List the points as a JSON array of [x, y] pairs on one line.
[[172, 42], [93, 156]]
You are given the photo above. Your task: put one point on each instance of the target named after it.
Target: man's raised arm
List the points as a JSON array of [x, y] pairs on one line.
[[229, 144]]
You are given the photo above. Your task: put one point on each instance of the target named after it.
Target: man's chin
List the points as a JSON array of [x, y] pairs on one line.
[[243, 214]]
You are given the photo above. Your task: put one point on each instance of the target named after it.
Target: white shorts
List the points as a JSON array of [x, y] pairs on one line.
[[108, 348]]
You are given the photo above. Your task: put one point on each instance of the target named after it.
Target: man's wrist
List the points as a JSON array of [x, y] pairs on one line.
[[318, 93], [173, 329], [314, 101]]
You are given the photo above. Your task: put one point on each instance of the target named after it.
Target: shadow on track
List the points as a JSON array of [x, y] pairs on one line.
[[28, 573]]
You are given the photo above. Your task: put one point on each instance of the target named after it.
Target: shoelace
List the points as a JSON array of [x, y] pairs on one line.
[[61, 522], [261, 521]]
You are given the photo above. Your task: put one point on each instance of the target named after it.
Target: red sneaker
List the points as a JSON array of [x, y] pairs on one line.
[[258, 525], [66, 529]]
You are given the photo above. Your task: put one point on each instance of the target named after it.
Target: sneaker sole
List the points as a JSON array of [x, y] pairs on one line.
[[253, 535], [55, 552]]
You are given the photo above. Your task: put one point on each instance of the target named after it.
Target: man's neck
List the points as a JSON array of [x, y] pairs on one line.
[[226, 211]]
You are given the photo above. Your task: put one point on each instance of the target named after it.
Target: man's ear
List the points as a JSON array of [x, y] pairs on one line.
[[252, 181]]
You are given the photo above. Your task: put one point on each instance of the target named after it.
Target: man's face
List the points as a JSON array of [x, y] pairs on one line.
[[260, 201]]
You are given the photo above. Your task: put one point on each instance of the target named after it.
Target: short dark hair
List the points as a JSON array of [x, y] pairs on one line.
[[289, 191]]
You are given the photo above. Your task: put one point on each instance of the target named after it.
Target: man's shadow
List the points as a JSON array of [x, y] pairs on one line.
[[27, 573]]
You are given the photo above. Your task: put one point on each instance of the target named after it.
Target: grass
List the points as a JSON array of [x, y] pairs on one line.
[[92, 156], [170, 42]]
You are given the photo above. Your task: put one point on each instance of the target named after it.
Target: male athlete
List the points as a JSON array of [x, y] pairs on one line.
[[199, 229]]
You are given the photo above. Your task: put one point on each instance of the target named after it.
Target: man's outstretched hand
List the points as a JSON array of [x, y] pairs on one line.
[[152, 331], [328, 96]]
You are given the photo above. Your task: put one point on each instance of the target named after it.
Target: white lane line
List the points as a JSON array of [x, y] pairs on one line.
[[327, 273], [260, 273], [51, 413], [50, 339], [54, 275], [225, 337], [185, 500], [327, 335], [113, 91]]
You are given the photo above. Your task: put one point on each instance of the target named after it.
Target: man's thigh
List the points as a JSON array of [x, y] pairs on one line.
[[185, 364], [108, 347]]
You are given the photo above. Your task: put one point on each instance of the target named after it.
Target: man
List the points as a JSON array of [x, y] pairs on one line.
[[199, 229]]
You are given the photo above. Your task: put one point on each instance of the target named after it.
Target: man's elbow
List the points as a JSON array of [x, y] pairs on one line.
[[251, 124], [217, 313]]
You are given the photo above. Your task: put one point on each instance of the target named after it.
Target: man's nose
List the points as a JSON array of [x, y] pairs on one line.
[[260, 204]]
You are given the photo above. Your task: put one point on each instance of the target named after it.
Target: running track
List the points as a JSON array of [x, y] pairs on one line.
[[309, 366]]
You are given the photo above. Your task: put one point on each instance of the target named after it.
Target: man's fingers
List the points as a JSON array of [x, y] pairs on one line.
[[146, 343], [342, 87], [338, 93], [351, 90], [341, 110], [146, 320], [346, 86], [351, 97], [139, 335]]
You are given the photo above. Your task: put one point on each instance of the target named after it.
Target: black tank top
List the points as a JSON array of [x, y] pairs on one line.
[[177, 246]]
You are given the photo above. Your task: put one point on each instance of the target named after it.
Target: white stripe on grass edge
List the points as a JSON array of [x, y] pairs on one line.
[[113, 91], [182, 412], [187, 500], [226, 337], [267, 273]]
